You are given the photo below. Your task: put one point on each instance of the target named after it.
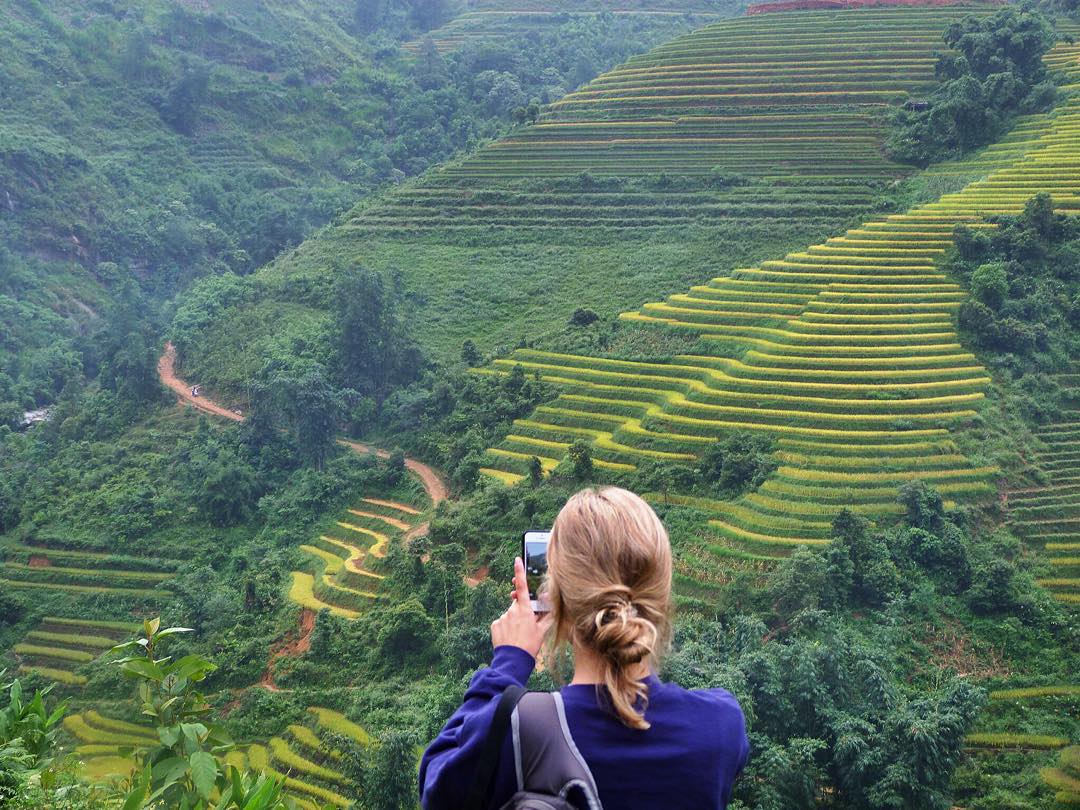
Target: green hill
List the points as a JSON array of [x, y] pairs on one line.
[[175, 141], [701, 264], [704, 154]]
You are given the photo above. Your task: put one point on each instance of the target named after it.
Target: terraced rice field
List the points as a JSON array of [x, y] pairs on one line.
[[501, 24], [300, 756], [59, 647], [78, 571], [345, 573], [846, 353], [1042, 746], [101, 739], [791, 103], [1048, 515], [308, 764]]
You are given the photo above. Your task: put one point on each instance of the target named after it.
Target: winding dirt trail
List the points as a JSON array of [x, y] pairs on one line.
[[166, 368], [435, 486]]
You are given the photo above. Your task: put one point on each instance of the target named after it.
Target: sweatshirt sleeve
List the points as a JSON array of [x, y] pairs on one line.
[[734, 741], [449, 763]]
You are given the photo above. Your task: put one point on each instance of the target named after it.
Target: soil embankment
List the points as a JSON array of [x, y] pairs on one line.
[[291, 647]]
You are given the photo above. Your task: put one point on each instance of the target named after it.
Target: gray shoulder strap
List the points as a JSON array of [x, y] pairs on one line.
[[545, 756]]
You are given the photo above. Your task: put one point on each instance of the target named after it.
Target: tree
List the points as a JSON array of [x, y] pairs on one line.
[[430, 70], [228, 490], [180, 109], [993, 72], [406, 634], [740, 462], [390, 780], [126, 347], [446, 570], [924, 505], [583, 317], [536, 472], [581, 463], [369, 15], [469, 354], [314, 413], [990, 284], [135, 56], [859, 567], [297, 396], [374, 350]]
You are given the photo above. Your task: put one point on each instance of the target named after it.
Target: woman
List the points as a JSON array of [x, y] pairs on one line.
[[649, 744]]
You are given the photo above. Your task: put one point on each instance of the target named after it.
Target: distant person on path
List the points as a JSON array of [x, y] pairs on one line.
[[649, 745]]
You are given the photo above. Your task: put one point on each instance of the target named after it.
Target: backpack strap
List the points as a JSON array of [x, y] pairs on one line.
[[489, 756], [546, 758]]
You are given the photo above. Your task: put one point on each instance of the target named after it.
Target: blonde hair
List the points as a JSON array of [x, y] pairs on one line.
[[609, 584]]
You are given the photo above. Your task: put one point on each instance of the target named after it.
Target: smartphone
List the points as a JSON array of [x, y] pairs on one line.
[[534, 546]]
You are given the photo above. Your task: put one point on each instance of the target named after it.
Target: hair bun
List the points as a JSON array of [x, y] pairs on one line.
[[622, 635]]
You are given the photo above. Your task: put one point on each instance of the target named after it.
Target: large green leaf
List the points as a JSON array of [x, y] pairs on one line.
[[142, 668], [169, 771], [204, 773], [137, 793], [264, 796]]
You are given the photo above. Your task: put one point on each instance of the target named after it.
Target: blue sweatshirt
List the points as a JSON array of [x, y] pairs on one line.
[[689, 757]]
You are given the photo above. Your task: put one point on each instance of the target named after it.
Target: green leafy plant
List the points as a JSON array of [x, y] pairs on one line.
[[187, 770], [27, 736]]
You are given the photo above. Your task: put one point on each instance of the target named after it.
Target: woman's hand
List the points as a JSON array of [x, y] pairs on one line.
[[520, 626]]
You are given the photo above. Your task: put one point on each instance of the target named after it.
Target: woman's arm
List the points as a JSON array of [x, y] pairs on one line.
[[450, 762]]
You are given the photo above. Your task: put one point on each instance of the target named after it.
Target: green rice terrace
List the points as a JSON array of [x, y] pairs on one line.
[[345, 577], [768, 98], [302, 757], [745, 136], [846, 352], [59, 647], [78, 570], [708, 247], [1049, 514]]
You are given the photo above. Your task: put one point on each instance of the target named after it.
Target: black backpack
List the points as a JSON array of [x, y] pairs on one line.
[[551, 773]]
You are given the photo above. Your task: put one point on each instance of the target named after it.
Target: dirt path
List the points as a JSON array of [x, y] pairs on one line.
[[289, 647], [436, 488], [434, 485], [167, 374]]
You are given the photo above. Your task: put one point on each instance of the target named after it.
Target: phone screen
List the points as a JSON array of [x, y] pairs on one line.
[[534, 555]]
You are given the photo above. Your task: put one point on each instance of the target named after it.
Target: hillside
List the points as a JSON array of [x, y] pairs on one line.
[[698, 276], [720, 143], [846, 351], [177, 141]]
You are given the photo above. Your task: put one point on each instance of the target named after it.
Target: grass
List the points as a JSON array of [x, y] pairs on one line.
[[92, 728], [63, 676], [61, 653], [292, 761], [85, 589]]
